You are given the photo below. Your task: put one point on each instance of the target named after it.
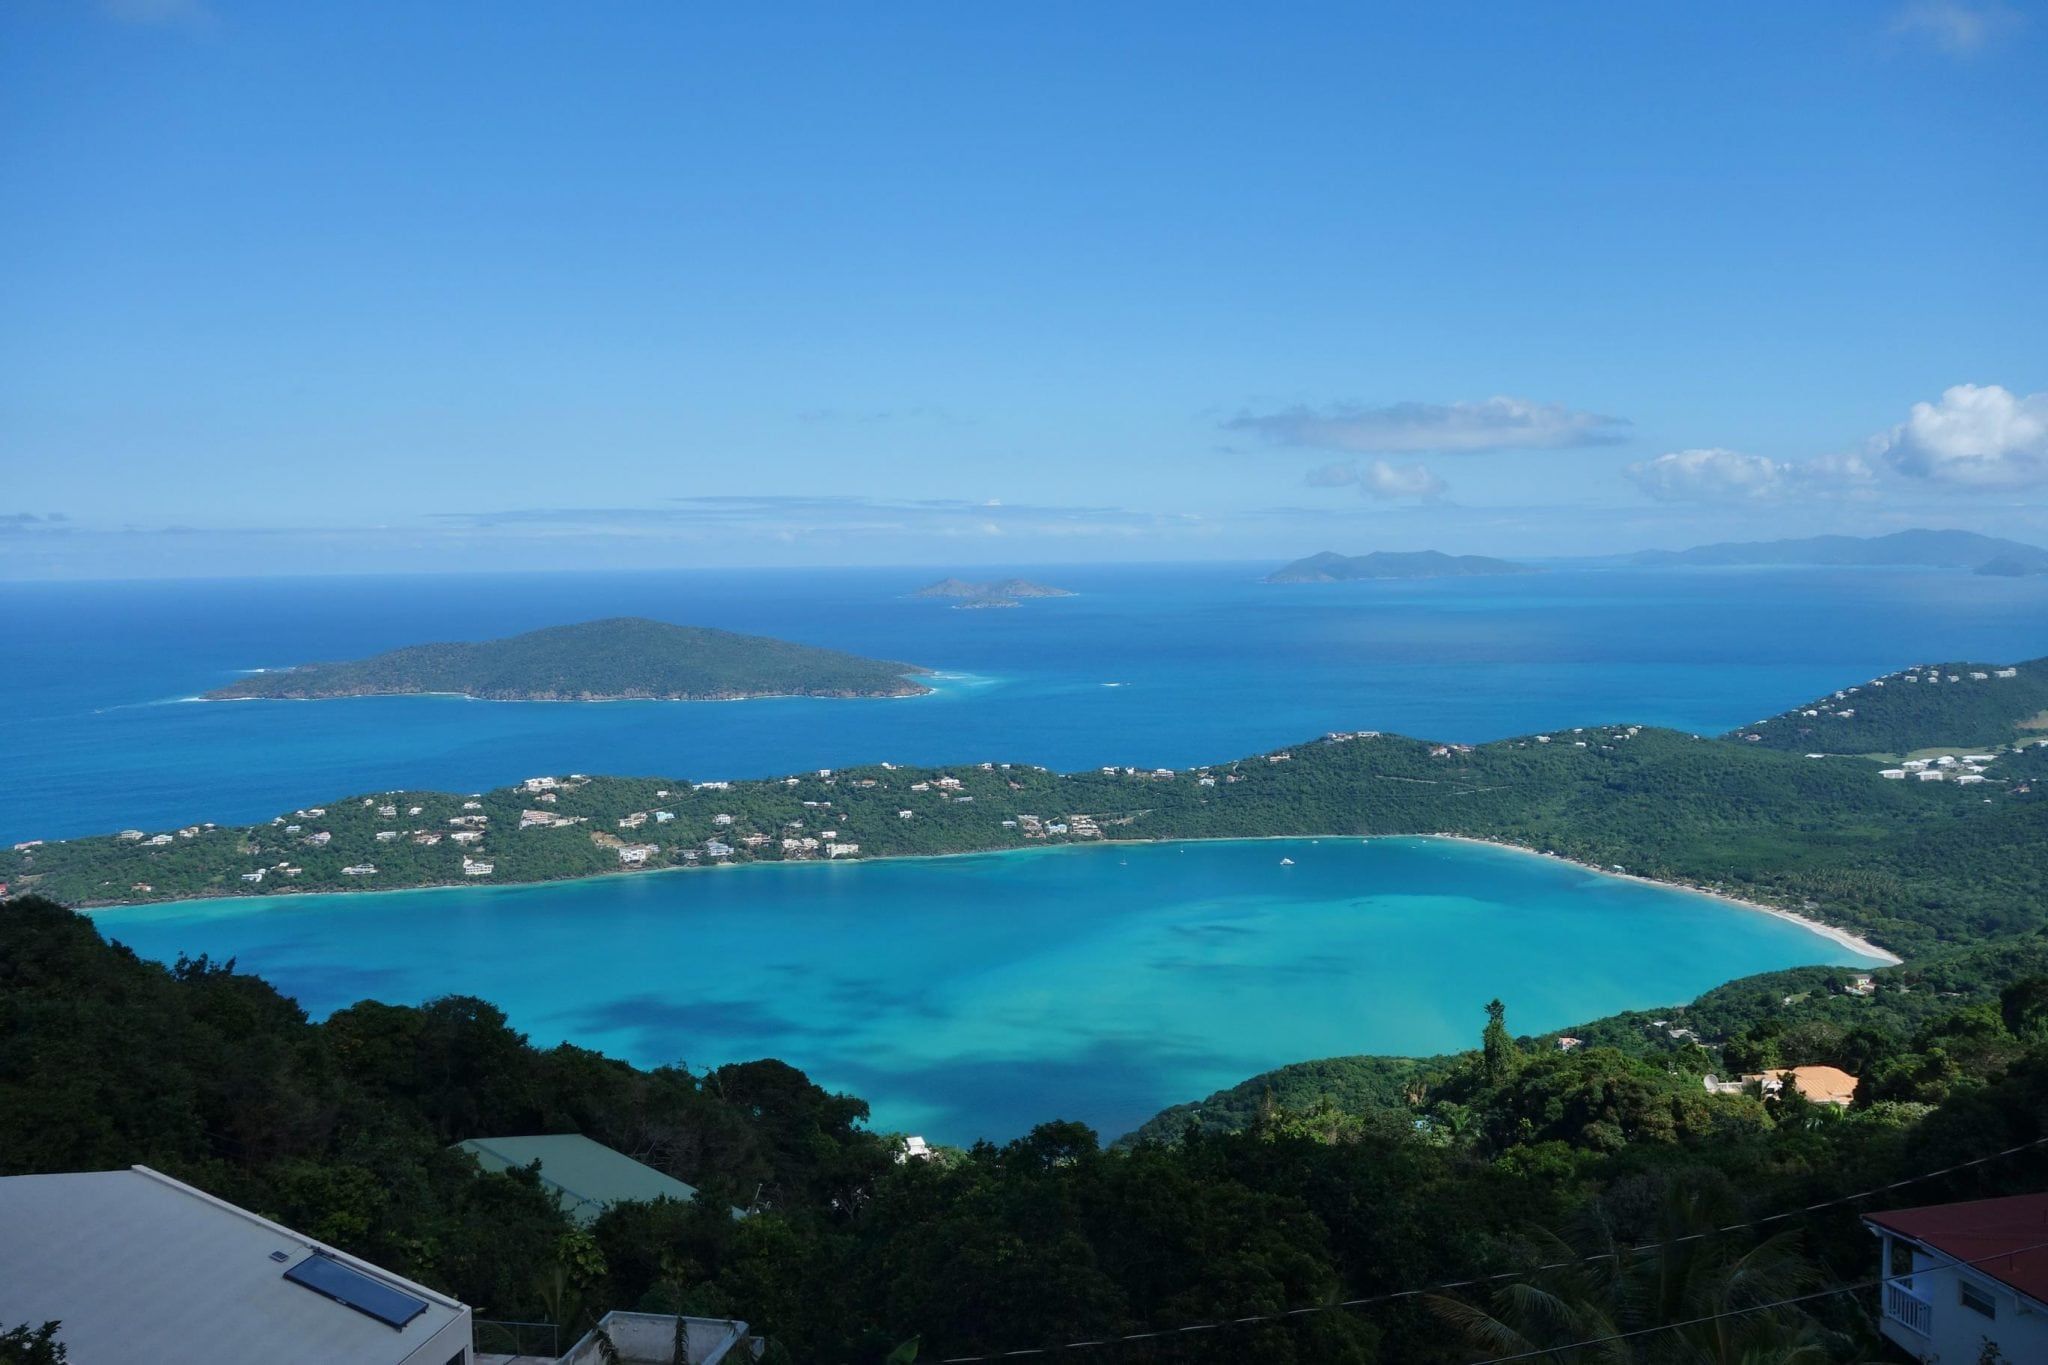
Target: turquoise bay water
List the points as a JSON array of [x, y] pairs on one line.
[[976, 996]]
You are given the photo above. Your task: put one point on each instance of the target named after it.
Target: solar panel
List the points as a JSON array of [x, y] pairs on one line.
[[326, 1276]]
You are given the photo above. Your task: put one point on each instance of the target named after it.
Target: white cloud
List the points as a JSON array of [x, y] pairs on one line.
[[1443, 428], [1956, 28], [1977, 436], [1382, 480], [1379, 479], [1711, 475], [1731, 476]]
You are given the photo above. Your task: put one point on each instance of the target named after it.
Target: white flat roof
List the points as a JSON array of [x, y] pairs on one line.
[[138, 1266]]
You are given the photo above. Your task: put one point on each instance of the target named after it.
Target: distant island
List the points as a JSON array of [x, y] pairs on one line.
[[625, 658], [1930, 549], [1006, 593], [1330, 567]]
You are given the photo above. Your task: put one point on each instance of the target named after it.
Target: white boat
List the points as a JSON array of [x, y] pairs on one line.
[[1287, 862]]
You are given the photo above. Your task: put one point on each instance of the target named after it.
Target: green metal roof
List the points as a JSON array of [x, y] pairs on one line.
[[588, 1177]]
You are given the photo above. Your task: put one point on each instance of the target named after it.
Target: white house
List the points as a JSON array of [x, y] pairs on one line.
[[1957, 1275], [138, 1266]]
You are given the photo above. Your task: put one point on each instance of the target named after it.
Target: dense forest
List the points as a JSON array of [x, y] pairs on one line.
[[624, 658], [1494, 1163]]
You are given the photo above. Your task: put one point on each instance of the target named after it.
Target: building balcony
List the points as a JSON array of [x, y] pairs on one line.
[[1907, 1309]]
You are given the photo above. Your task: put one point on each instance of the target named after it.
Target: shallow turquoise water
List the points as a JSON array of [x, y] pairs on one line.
[[975, 996]]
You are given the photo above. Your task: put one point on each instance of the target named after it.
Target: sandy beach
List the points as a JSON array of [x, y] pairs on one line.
[[1853, 942]]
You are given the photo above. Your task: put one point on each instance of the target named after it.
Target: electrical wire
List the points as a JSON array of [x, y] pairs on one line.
[[1756, 1308], [1477, 1281]]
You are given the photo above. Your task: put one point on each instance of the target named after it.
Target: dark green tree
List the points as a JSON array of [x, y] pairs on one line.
[[1497, 1046]]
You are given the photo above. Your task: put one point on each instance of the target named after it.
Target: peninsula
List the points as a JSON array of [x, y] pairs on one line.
[[626, 658], [1007, 592], [1956, 850], [1331, 567]]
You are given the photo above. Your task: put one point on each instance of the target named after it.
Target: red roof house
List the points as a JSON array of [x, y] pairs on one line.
[[1957, 1275]]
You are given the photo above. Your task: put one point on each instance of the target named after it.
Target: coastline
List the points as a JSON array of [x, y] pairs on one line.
[[1854, 942], [918, 690]]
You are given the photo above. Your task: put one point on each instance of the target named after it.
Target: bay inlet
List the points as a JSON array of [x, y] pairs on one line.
[[975, 996]]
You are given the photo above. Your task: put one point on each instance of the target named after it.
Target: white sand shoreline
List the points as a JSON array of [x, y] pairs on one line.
[[1845, 938], [1854, 942]]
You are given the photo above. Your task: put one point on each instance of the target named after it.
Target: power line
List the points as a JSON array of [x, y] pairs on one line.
[[1755, 1308], [1478, 1281]]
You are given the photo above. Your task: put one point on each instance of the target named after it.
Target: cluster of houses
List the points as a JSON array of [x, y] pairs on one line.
[[1618, 732], [1927, 673], [1923, 674], [136, 836], [1037, 827], [636, 843], [1964, 769]]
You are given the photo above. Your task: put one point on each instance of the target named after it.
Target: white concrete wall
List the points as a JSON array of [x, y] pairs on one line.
[[446, 1344]]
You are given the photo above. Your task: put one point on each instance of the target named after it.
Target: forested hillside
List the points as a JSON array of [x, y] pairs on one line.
[[1492, 1163], [1936, 706]]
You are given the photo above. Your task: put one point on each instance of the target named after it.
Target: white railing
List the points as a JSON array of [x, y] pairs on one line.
[[1908, 1309]]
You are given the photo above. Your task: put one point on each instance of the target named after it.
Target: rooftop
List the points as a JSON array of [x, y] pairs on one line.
[[588, 1176], [138, 1266], [2005, 1239]]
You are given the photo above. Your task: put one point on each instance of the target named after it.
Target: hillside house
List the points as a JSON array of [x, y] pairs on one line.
[[1959, 1275], [585, 1177], [138, 1266]]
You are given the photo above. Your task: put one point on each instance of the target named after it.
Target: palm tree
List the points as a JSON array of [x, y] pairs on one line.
[[1689, 1298]]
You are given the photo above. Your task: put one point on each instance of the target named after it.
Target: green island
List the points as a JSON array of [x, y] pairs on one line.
[[1008, 592], [625, 658], [1610, 1176], [1331, 567]]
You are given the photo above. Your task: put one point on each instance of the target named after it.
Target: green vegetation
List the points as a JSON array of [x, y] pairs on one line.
[[626, 658], [1947, 707], [1910, 864], [1331, 567], [1494, 1162]]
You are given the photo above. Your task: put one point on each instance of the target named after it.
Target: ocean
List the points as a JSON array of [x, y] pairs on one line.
[[1151, 666], [975, 996]]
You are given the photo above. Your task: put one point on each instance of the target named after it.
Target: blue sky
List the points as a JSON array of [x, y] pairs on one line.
[[387, 286]]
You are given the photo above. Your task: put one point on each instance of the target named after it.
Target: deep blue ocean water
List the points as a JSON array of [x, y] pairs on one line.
[[1208, 663], [976, 996]]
